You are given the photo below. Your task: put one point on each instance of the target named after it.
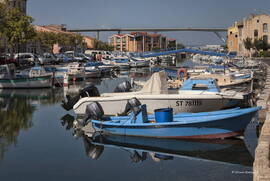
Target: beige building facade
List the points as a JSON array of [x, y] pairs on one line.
[[138, 42], [254, 27]]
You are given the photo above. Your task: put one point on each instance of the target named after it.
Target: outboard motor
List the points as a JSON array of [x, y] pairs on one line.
[[90, 91], [133, 105], [123, 87], [93, 111]]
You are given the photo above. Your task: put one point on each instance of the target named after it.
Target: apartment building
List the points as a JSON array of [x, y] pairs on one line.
[[254, 27], [138, 42]]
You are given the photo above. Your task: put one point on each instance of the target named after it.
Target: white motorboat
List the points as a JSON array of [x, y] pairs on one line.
[[122, 62], [139, 63], [36, 77], [196, 95]]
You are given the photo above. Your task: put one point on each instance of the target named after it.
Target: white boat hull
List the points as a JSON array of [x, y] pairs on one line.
[[31, 82], [116, 105]]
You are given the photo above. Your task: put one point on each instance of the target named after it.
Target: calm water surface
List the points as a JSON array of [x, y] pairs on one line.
[[37, 142]]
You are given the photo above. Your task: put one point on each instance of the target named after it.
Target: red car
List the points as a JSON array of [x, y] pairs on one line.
[[8, 60]]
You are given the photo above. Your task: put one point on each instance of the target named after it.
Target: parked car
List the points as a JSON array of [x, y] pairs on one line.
[[63, 58], [77, 57], [26, 58], [4, 59], [50, 58]]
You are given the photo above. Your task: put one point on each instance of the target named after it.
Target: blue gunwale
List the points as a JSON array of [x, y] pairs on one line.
[[189, 118]]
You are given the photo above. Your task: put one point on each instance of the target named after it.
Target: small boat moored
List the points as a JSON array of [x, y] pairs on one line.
[[36, 77], [204, 125]]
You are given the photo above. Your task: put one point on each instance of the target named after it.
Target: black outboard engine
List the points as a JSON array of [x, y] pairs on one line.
[[93, 111], [123, 87], [133, 105], [90, 91]]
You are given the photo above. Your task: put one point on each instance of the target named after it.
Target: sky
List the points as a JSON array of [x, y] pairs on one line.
[[148, 14]]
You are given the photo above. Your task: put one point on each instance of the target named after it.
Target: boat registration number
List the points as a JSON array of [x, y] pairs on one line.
[[188, 103]]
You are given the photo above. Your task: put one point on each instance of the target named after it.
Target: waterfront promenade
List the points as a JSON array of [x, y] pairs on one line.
[[261, 166]]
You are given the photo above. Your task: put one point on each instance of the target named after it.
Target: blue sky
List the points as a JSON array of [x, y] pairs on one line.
[[147, 13]]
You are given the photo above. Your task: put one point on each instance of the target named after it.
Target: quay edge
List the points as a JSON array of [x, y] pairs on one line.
[[261, 165]]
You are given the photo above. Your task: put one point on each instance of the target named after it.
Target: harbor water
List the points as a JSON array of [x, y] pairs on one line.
[[38, 142]]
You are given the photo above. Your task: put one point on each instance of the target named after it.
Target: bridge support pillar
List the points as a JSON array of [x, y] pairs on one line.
[[97, 35]]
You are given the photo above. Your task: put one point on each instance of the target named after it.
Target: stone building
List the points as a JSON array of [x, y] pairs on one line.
[[19, 4], [254, 27], [138, 42]]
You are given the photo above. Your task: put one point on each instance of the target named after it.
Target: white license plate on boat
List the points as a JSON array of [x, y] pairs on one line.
[[189, 103]]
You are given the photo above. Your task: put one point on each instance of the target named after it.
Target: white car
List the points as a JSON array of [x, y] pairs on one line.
[[26, 58]]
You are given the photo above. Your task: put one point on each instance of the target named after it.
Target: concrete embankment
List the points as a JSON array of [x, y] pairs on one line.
[[261, 165]]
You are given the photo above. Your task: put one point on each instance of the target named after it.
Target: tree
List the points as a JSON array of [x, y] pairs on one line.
[[2, 18], [18, 28], [47, 39], [248, 43], [99, 45]]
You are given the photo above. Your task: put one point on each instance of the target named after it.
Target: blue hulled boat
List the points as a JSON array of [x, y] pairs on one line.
[[206, 125]]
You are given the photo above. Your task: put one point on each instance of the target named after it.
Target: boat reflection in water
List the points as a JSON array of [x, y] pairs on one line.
[[229, 150]]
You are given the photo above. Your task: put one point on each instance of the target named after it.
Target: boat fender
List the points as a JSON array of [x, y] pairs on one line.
[[123, 87], [182, 73], [94, 111]]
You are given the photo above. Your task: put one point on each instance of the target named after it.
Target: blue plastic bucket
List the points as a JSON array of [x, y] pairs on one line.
[[164, 115]]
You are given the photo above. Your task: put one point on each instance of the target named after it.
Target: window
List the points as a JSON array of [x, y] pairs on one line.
[[230, 32], [236, 36], [258, 21], [256, 33], [265, 27]]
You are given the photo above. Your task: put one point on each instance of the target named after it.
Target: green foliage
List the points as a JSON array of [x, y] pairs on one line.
[[248, 43], [265, 54], [2, 18], [47, 39], [99, 45], [259, 44], [17, 27], [16, 117], [69, 41]]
